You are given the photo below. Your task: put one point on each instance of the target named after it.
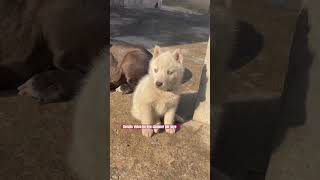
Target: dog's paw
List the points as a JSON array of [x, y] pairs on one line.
[[126, 89], [170, 130], [33, 88], [119, 89], [156, 130], [50, 86], [27, 89], [147, 132]]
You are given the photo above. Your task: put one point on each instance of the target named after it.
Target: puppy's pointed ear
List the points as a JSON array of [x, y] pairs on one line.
[[178, 56], [156, 51]]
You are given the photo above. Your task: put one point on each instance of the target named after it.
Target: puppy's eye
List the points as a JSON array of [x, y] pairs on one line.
[[155, 70], [170, 72]]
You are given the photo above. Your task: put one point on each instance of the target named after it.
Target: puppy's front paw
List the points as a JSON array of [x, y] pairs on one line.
[[156, 130], [119, 89], [147, 132], [170, 130], [51, 86]]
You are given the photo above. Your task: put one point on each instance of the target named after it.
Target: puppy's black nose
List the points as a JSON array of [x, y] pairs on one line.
[[158, 84]]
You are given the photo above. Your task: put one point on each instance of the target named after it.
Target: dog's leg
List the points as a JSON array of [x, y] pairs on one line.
[[169, 120], [146, 119], [157, 120], [125, 89], [75, 40], [51, 86], [128, 87], [116, 86], [57, 84], [63, 81]]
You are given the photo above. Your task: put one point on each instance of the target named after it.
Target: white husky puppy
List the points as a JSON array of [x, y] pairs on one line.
[[157, 94]]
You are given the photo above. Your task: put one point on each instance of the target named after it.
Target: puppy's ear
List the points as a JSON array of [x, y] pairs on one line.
[[178, 56], [156, 51]]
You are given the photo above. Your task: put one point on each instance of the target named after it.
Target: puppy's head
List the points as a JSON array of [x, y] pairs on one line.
[[166, 69]]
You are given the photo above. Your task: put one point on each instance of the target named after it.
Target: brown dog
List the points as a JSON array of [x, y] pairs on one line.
[[47, 47], [128, 64]]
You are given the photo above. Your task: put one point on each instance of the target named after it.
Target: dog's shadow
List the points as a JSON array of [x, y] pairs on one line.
[[190, 101], [185, 109], [186, 76], [186, 106], [248, 44]]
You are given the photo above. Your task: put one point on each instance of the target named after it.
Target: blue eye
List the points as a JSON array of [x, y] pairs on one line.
[[170, 72]]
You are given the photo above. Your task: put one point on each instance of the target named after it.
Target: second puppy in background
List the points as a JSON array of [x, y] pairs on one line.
[[128, 64], [158, 93]]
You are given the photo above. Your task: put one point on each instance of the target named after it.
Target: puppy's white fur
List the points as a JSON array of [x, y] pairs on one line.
[[151, 102], [88, 153]]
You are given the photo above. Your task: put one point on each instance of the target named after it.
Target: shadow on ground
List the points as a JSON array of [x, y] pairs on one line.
[[187, 75], [244, 141], [248, 44], [34, 139]]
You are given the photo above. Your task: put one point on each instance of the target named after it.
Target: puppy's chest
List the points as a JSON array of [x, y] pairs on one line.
[[163, 103]]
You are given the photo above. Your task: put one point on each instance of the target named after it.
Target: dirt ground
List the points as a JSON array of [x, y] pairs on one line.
[[33, 139]]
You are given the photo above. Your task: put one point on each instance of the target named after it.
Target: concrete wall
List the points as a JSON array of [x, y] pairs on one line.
[[202, 111], [297, 157], [117, 3], [197, 5], [288, 4], [136, 3]]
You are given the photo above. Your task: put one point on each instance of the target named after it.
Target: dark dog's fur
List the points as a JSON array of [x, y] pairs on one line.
[[128, 64], [52, 44]]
